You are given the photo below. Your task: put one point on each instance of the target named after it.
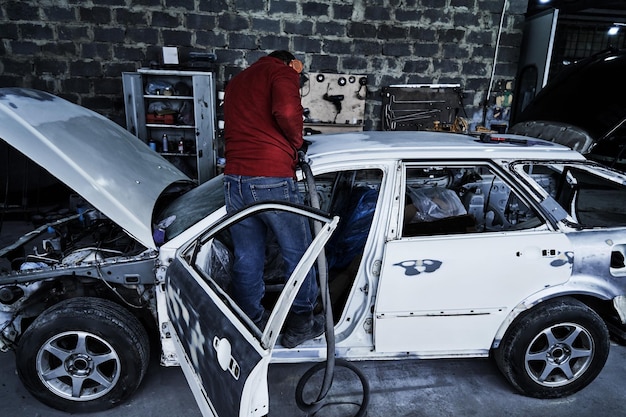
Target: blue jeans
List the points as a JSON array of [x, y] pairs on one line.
[[292, 232]]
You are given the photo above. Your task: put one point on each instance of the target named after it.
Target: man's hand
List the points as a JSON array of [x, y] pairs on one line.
[[302, 151]]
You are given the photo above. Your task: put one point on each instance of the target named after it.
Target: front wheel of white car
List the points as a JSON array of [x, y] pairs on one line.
[[83, 355], [554, 350]]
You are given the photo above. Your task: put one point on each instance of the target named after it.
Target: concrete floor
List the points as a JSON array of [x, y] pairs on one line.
[[434, 388]]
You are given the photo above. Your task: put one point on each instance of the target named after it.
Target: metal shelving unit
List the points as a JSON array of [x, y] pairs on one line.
[[181, 105]]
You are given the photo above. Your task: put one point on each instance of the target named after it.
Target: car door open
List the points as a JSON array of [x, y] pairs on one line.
[[223, 354]]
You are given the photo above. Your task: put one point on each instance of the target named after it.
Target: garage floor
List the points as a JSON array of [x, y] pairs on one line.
[[398, 389]]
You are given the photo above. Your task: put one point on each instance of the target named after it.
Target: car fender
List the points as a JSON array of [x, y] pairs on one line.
[[580, 285]]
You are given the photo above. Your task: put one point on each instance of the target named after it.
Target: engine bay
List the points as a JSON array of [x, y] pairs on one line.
[[70, 251]]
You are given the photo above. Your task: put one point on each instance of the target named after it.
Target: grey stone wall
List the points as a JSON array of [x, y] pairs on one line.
[[78, 49]]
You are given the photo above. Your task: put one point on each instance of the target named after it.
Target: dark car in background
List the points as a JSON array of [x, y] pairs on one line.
[[583, 107]]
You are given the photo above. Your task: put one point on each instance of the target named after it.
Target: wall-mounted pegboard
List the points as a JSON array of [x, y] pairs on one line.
[[334, 98], [421, 106]]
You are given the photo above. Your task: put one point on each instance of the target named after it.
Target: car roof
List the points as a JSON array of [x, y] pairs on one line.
[[413, 145], [112, 169]]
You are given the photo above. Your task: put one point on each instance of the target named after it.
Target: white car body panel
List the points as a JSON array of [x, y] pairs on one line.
[[358, 338], [167, 252], [375, 146], [412, 316], [108, 166]]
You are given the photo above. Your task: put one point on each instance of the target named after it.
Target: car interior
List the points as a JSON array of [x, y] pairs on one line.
[[443, 200], [352, 195], [582, 194]]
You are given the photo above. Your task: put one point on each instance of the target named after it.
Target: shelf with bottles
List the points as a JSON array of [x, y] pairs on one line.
[[181, 105], [178, 143], [180, 150]]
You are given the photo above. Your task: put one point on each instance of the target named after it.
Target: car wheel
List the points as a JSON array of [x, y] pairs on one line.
[[554, 350], [83, 355]]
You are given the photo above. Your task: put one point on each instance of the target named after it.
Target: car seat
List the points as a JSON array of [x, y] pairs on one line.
[[349, 239]]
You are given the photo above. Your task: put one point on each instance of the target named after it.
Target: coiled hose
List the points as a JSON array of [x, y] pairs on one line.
[[331, 362]]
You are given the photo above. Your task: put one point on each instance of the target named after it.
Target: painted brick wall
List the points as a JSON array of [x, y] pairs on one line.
[[78, 49]]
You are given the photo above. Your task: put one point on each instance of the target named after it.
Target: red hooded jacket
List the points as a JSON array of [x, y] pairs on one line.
[[263, 120]]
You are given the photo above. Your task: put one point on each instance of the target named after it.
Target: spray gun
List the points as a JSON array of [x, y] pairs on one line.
[[335, 99]]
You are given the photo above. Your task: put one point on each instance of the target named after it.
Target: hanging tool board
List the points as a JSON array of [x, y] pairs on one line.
[[421, 106], [337, 99]]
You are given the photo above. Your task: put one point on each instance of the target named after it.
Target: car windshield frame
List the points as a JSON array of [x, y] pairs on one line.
[[192, 206]]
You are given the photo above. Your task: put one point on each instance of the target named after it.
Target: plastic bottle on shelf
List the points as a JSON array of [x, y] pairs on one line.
[[181, 146], [165, 143]]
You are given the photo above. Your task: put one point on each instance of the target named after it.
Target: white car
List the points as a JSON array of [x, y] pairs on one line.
[[437, 245]]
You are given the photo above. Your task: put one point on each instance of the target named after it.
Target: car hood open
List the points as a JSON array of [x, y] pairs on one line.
[[112, 169], [588, 94]]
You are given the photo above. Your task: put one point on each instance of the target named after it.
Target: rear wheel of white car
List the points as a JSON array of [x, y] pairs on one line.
[[554, 350], [83, 355]]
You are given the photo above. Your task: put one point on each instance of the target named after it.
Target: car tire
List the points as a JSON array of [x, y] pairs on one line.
[[554, 350], [83, 355]]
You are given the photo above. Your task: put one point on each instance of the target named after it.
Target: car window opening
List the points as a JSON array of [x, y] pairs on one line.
[[353, 196], [462, 199], [590, 200]]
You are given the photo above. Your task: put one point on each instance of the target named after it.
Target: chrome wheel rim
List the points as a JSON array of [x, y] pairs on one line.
[[559, 354], [79, 366]]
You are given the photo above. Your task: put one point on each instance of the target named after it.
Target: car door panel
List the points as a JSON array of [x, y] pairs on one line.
[[223, 355], [463, 284], [210, 345]]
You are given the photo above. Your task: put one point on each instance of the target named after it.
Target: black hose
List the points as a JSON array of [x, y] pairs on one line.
[[331, 361], [325, 294], [342, 363]]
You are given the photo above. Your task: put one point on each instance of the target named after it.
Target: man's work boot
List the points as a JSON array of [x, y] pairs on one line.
[[302, 327]]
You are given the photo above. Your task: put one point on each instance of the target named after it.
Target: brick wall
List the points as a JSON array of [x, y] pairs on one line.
[[78, 49]]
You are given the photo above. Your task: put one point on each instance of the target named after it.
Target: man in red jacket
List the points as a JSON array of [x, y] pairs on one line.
[[263, 132]]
